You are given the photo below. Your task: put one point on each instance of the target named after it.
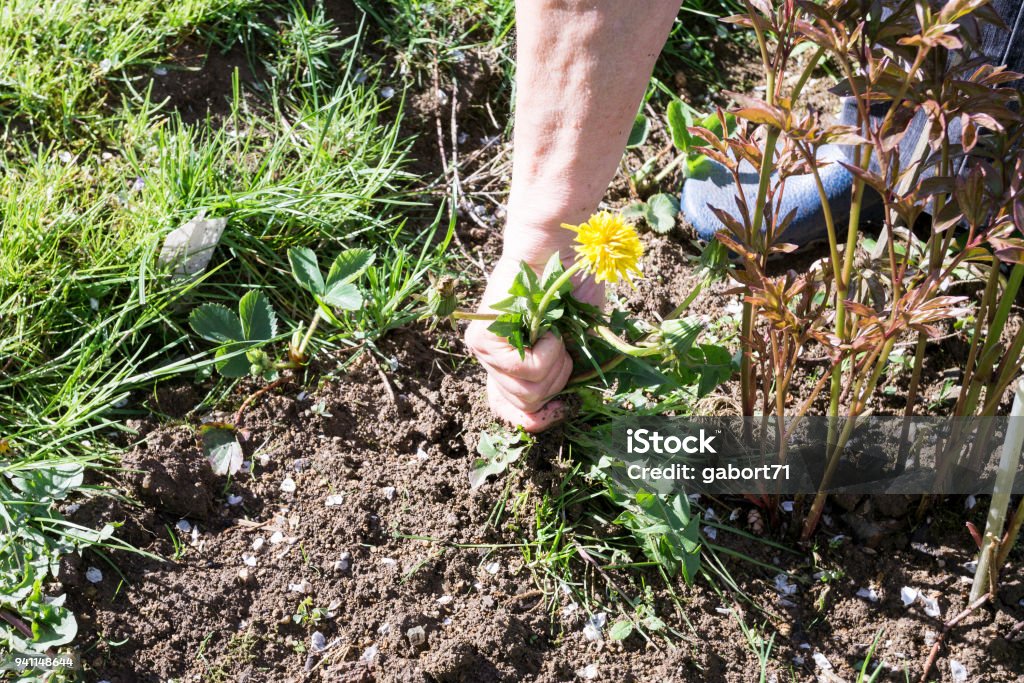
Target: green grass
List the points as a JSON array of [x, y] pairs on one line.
[[94, 174]]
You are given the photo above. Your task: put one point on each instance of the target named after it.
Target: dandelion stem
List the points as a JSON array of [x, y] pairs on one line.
[[545, 301]]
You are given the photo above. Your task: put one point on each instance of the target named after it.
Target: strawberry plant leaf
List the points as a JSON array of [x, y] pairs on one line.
[[306, 269], [235, 366], [222, 449], [343, 295], [661, 213], [259, 322], [349, 265], [216, 323]]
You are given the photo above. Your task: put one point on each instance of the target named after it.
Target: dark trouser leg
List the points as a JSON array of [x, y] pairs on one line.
[[1002, 46]]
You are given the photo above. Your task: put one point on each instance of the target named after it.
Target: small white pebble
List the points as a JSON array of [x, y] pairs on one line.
[[389, 492], [784, 586], [106, 65], [276, 538], [868, 593], [592, 630], [301, 587], [369, 654], [821, 661], [931, 606], [258, 543], [734, 515], [317, 641], [492, 567], [65, 156], [288, 485], [421, 454], [94, 304], [93, 575], [711, 532], [389, 561], [909, 595], [183, 526], [445, 600], [970, 502], [160, 70], [384, 629], [234, 500], [249, 560], [787, 506], [302, 396], [335, 500], [958, 671], [387, 91], [588, 673]]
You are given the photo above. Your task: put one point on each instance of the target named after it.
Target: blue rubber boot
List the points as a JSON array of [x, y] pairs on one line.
[[713, 186]]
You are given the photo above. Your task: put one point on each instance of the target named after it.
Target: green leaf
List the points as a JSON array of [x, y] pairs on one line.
[[498, 451], [49, 483], [717, 368], [306, 269], [552, 271], [526, 285], [661, 213], [512, 327], [620, 630], [633, 211], [349, 265], [222, 449], [653, 623], [678, 120], [343, 295], [638, 133], [680, 334], [60, 629], [259, 322], [236, 366], [216, 323]]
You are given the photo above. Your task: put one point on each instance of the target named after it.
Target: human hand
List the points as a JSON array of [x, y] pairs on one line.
[[518, 388]]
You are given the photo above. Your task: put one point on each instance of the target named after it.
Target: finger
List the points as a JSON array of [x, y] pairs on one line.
[[545, 418], [534, 365], [531, 396]]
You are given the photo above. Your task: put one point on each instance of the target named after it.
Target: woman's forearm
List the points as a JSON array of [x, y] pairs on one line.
[[582, 68]]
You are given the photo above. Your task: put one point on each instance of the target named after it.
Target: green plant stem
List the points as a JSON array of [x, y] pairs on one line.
[[1012, 534], [473, 315], [624, 347], [1009, 463], [747, 321], [301, 351], [590, 375], [545, 301]]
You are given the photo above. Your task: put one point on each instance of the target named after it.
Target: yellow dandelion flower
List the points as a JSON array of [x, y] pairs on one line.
[[609, 247]]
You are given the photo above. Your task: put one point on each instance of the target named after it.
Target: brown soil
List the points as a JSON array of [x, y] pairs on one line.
[[400, 467]]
